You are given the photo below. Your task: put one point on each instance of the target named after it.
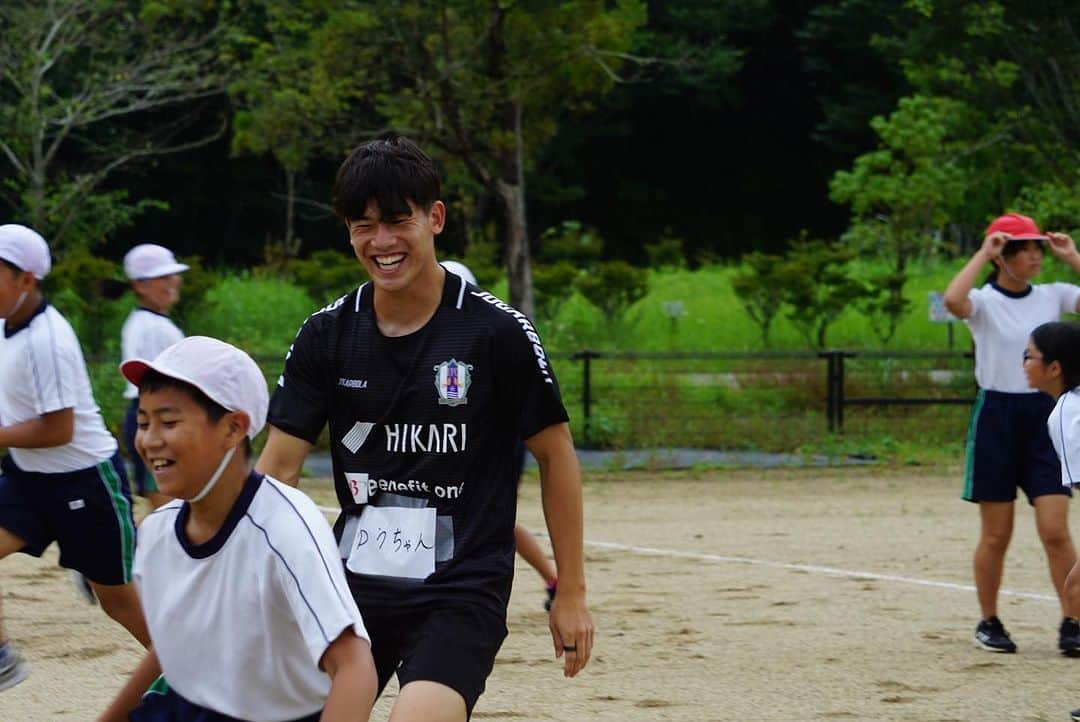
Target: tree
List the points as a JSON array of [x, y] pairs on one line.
[[816, 287], [90, 86], [485, 83], [298, 90], [903, 193], [757, 285]]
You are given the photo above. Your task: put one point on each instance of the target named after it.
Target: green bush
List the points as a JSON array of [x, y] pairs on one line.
[[260, 315]]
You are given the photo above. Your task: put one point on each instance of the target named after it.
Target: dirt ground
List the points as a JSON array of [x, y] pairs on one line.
[[828, 594]]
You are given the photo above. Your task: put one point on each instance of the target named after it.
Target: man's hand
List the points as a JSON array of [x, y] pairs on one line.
[[571, 630]]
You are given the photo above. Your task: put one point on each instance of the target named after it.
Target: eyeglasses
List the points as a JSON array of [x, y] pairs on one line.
[[1029, 357]]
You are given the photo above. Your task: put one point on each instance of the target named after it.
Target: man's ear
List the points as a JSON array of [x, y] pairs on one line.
[[437, 217]]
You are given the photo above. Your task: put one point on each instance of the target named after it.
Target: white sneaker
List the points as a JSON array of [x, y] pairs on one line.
[[12, 667], [82, 586]]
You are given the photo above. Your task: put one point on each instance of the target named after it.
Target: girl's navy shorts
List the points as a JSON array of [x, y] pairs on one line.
[[1008, 447]]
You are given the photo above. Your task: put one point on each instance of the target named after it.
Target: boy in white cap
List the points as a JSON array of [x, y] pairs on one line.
[[154, 275], [249, 612], [62, 479]]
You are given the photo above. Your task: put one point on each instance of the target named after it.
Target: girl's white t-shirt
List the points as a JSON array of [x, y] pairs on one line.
[[145, 334], [1001, 323]]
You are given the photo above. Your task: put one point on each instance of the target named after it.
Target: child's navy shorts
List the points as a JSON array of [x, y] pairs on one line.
[[86, 512], [1008, 447]]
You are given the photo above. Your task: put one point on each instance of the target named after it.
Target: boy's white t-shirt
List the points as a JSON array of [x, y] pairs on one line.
[[144, 335], [42, 370], [1002, 322], [240, 623], [1064, 427]]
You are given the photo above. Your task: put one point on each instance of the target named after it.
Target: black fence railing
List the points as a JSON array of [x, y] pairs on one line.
[[850, 378]]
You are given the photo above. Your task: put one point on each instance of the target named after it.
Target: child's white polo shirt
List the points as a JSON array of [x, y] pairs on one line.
[[144, 335], [42, 370], [240, 622]]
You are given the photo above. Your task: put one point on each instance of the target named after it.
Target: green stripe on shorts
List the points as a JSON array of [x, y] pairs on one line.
[[969, 449], [122, 509], [160, 686]]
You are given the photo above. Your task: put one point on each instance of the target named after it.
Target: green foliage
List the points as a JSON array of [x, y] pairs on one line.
[[612, 286], [904, 193], [260, 315], [482, 258], [488, 85], [668, 252], [552, 282], [570, 241], [74, 279], [326, 274], [758, 287], [817, 287], [78, 84]]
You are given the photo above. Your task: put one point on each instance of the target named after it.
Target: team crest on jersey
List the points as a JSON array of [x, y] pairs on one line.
[[452, 380]]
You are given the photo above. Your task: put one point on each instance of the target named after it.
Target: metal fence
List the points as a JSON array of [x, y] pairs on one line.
[[690, 393]]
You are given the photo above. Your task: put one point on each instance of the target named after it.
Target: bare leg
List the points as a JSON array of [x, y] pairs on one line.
[[122, 604], [424, 701], [1052, 522], [996, 531], [530, 551]]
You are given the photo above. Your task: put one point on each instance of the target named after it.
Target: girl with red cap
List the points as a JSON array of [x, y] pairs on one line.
[[1008, 445]]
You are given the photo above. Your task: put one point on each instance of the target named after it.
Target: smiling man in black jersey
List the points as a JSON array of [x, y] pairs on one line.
[[426, 383]]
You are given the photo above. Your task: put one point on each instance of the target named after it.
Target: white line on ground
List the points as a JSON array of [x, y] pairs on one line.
[[812, 568]]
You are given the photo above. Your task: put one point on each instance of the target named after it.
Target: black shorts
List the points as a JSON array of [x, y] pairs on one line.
[[87, 513], [1008, 447], [453, 643], [168, 706]]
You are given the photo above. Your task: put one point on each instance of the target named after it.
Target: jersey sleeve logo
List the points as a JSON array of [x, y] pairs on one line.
[[452, 381]]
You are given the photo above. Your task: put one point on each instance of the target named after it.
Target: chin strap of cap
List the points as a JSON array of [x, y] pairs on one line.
[[214, 479], [18, 304]]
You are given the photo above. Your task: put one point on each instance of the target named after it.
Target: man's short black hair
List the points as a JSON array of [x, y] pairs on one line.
[[153, 381], [391, 172]]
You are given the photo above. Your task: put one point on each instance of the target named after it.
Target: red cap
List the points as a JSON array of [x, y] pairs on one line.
[[1021, 228]]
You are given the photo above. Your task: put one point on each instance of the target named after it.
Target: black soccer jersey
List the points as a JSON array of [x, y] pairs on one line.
[[423, 431]]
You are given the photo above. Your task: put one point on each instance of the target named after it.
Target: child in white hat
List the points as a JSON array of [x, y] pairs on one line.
[[62, 480], [153, 275], [240, 578]]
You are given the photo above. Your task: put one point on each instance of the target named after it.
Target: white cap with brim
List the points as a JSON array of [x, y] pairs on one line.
[[149, 260], [227, 375], [25, 248]]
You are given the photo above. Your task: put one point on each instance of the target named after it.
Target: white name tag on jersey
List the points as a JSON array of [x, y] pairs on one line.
[[393, 541]]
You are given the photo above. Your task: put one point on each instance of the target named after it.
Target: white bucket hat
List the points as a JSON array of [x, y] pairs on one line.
[[149, 260], [223, 372], [26, 249]]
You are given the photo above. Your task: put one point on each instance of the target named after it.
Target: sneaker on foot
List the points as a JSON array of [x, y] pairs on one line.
[[990, 634], [551, 595], [1075, 715], [12, 668], [82, 586], [1069, 637]]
